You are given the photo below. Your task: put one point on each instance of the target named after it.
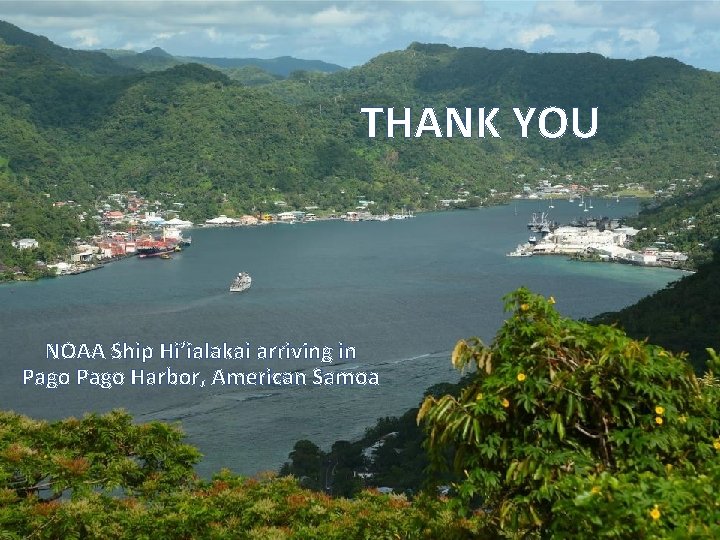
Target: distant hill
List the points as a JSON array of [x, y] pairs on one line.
[[157, 59], [85, 62], [283, 65], [251, 75]]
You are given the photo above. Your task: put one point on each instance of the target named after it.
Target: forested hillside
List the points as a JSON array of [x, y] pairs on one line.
[[86, 62], [688, 221], [220, 146], [683, 317]]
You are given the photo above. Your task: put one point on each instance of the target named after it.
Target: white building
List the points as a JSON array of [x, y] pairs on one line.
[[179, 223], [25, 243], [221, 220]]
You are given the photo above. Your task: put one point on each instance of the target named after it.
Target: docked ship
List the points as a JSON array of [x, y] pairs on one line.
[[241, 282], [174, 234], [171, 241], [154, 248]]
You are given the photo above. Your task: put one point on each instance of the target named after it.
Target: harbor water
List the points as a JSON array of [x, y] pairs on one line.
[[398, 293]]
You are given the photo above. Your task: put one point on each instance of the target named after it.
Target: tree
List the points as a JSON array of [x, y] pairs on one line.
[[307, 464], [568, 430], [45, 460]]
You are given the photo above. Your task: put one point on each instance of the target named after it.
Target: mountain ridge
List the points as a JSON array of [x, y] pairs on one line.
[[85, 62], [157, 58], [303, 140]]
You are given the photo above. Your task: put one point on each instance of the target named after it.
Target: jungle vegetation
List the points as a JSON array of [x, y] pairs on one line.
[[77, 129]]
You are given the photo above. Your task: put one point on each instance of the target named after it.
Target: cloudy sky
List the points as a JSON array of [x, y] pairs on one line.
[[351, 32]]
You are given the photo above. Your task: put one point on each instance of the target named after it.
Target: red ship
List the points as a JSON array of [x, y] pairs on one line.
[[155, 248]]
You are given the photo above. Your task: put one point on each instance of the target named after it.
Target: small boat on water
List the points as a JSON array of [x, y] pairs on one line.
[[520, 251], [241, 282], [165, 256]]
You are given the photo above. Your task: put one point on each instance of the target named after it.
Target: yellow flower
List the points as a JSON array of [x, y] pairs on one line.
[[716, 444], [595, 489], [521, 377], [479, 397], [551, 300], [682, 419], [505, 403], [659, 410], [658, 420], [524, 307], [655, 513]]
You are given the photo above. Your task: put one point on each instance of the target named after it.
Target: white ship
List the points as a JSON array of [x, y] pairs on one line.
[[241, 282]]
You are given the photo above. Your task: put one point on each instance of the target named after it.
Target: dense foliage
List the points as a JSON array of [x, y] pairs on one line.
[[27, 215], [689, 221], [571, 430], [123, 480], [218, 146], [41, 461], [389, 454]]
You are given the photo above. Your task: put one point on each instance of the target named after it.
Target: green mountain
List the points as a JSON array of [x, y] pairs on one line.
[[85, 62], [688, 221], [157, 59], [220, 146], [282, 65], [154, 59], [658, 118]]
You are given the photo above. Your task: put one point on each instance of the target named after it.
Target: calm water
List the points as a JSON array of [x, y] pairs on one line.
[[400, 292]]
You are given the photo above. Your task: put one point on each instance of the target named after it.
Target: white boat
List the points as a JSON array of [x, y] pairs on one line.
[[241, 282], [520, 251]]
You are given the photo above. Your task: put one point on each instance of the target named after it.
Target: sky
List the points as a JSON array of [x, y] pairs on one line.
[[350, 33]]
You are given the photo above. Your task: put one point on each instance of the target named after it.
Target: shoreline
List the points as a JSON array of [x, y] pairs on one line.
[[363, 217]]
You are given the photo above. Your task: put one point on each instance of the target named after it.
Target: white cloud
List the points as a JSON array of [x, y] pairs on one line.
[[463, 8], [333, 16], [604, 47], [528, 36], [585, 13], [646, 39], [349, 32], [85, 37], [162, 36]]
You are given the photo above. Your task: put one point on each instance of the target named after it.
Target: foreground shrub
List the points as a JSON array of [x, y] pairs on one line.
[[572, 430]]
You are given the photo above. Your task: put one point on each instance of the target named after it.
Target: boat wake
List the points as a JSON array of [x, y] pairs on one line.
[[214, 404]]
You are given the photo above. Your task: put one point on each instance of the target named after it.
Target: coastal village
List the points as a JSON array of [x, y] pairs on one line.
[[134, 225]]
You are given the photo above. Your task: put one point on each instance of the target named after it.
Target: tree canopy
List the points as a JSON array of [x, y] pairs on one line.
[[571, 430]]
